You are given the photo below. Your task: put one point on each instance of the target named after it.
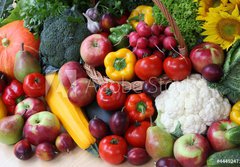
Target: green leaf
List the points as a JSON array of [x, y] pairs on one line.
[[14, 15], [5, 6], [178, 131]]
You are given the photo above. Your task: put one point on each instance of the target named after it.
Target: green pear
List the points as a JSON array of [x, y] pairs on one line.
[[159, 143], [11, 128], [25, 63]]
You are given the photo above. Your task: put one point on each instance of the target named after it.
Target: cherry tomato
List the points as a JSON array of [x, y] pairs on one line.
[[148, 67], [136, 134], [113, 149], [34, 85], [111, 96], [177, 68]]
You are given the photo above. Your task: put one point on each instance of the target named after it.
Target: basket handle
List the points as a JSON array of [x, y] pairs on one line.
[[182, 45]]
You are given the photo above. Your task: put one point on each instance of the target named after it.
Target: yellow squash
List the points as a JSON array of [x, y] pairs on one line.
[[71, 116]]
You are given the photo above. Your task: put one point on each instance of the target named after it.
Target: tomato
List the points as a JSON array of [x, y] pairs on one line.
[[177, 68], [113, 149], [148, 67], [111, 96], [34, 85], [136, 134]]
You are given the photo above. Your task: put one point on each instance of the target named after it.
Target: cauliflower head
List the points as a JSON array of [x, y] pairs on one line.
[[191, 105]]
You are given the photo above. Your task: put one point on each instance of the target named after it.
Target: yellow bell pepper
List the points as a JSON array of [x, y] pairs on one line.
[[120, 65], [141, 12], [235, 113]]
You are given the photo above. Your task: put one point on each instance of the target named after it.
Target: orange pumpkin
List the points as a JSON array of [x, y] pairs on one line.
[[12, 36]]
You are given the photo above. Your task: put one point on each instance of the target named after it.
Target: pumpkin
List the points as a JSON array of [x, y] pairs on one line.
[[12, 36]]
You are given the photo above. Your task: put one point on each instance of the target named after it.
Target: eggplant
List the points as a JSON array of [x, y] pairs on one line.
[[93, 110]]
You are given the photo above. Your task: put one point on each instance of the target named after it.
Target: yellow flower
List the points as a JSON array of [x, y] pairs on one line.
[[205, 5], [222, 28], [235, 2]]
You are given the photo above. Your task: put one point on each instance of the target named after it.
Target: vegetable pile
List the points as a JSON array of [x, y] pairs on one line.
[[109, 78]]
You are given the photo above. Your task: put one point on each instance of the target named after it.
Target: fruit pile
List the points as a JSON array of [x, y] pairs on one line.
[[49, 103]]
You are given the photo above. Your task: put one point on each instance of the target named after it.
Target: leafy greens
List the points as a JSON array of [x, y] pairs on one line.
[[230, 82]]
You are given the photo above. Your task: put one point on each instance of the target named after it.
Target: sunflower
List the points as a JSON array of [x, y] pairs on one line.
[[235, 2], [205, 5], [222, 27]]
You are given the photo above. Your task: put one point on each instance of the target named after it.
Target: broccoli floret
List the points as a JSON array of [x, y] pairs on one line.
[[61, 38]]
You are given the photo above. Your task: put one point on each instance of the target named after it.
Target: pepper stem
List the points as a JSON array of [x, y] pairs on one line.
[[119, 64], [141, 107]]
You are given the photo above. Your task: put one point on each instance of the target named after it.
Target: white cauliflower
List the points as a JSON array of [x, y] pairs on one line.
[[192, 104]]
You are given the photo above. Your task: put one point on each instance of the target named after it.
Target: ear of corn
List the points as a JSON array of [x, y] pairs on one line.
[[71, 116]]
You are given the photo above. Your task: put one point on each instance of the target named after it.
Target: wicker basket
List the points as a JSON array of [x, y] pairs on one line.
[[136, 86]]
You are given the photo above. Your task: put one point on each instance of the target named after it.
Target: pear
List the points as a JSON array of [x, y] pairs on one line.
[[11, 128], [25, 63], [159, 143]]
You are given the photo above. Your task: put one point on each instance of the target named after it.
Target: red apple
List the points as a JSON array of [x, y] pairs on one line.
[[191, 150], [29, 106], [46, 151], [94, 49], [41, 127], [206, 53], [82, 92], [216, 135], [70, 72]]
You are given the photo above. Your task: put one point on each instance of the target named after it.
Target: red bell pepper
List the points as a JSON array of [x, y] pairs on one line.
[[139, 107], [12, 95]]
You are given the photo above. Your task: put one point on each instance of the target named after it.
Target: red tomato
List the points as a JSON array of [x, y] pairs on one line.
[[111, 96], [177, 68], [136, 134], [148, 67], [34, 85], [113, 149]]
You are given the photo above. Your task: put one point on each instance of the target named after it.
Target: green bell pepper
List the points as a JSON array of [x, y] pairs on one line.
[[118, 36]]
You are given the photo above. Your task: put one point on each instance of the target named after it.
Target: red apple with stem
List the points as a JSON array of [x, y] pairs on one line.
[[216, 135], [29, 106], [94, 49], [191, 150], [41, 127]]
